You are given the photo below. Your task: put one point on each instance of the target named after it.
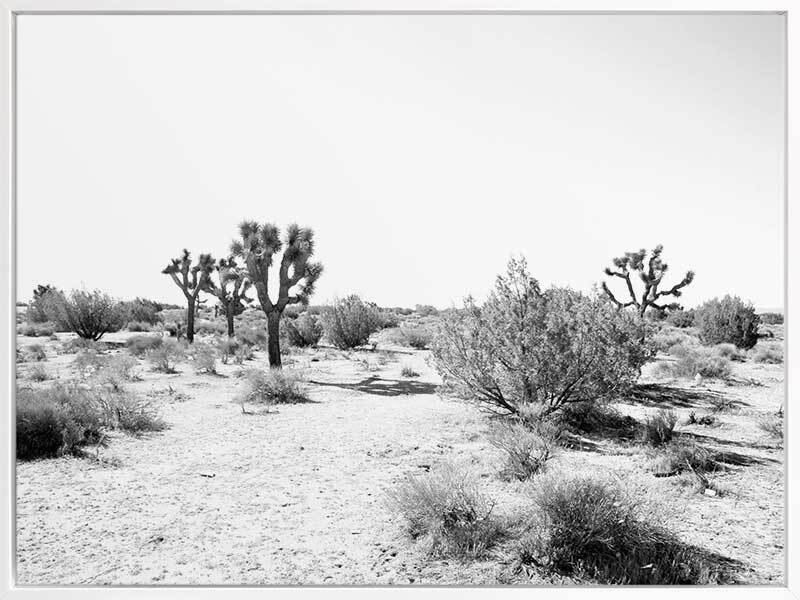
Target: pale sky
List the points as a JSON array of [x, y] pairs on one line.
[[423, 150]]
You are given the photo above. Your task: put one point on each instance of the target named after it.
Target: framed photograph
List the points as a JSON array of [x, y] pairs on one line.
[[442, 298]]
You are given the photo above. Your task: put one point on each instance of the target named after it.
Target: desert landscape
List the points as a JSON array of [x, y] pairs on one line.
[[144, 459]]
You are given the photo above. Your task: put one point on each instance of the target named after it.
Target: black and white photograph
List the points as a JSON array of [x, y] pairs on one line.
[[401, 299]]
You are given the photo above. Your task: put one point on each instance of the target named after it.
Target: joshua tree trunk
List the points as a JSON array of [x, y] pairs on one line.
[[229, 315], [190, 319], [273, 333]]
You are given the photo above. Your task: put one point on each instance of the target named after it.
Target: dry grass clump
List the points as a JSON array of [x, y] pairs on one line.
[[659, 428], [114, 371], [37, 330], [593, 529], [130, 412], [695, 360], [681, 456], [669, 337], [527, 448], [274, 386], [408, 371], [771, 354], [166, 356], [77, 344], [416, 337], [730, 351], [446, 511]]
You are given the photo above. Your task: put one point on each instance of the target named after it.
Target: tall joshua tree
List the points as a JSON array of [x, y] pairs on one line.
[[231, 291], [651, 272], [257, 247], [192, 279]]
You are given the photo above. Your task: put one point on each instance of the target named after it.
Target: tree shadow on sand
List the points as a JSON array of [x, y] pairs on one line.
[[664, 396], [384, 387]]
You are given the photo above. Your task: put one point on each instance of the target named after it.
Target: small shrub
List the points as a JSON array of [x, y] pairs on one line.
[[771, 318], [446, 510], [131, 413], [593, 529], [681, 456], [771, 354], [204, 327], [416, 338], [706, 420], [54, 421], [88, 362], [37, 330], [408, 371], [730, 352], [35, 352], [252, 336], [117, 370], [349, 322], [696, 361], [728, 320], [275, 386], [138, 326], [305, 330], [669, 338], [39, 373], [242, 354], [138, 345], [681, 318], [527, 450], [771, 424], [166, 356], [227, 348], [659, 428], [74, 345], [205, 358]]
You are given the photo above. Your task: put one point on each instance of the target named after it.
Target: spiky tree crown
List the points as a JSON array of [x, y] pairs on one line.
[[190, 278], [233, 284], [257, 247], [651, 272]]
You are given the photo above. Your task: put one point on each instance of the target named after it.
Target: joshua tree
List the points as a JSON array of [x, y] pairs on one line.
[[257, 246], [651, 273], [231, 291], [192, 280]]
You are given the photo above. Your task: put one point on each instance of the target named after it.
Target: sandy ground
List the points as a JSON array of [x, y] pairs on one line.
[[297, 495]]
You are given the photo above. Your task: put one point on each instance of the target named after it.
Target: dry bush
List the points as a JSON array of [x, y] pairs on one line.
[[446, 511], [114, 371], [35, 352], [204, 357], [593, 529], [37, 330], [527, 448], [730, 352], [349, 322], [54, 421], [416, 337], [77, 344], [772, 424], [165, 357], [408, 371], [668, 337], [227, 347], [138, 345], [38, 372], [771, 318], [255, 337], [88, 362], [659, 428], [275, 386], [88, 314], [130, 413], [138, 326], [771, 354], [680, 456], [306, 330], [694, 361]]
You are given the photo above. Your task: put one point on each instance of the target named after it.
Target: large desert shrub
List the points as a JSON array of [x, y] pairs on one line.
[[273, 386], [350, 321], [593, 529], [525, 346], [446, 511], [305, 330], [728, 320], [141, 310], [89, 314], [40, 308]]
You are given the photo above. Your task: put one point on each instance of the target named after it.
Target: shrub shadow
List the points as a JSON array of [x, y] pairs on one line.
[[656, 394], [384, 387]]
